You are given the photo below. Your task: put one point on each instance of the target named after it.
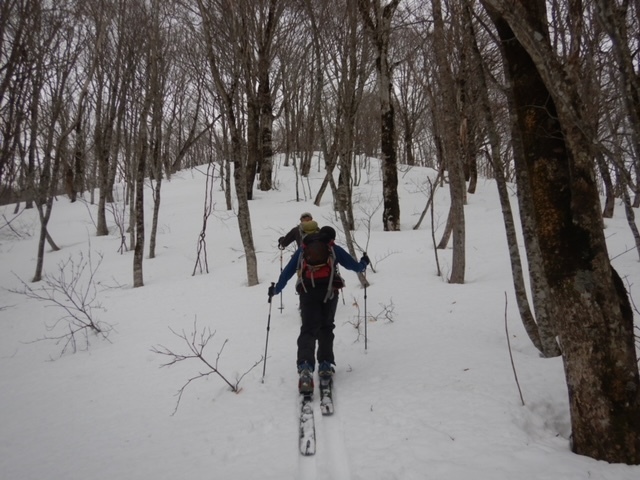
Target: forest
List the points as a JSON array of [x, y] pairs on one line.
[[540, 95]]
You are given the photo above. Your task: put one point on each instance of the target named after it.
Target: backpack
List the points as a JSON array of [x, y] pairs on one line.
[[318, 264]]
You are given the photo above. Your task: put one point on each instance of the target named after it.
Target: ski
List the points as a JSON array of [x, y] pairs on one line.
[[326, 396], [307, 426]]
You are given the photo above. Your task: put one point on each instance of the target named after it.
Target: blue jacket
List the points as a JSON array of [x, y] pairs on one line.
[[342, 258]]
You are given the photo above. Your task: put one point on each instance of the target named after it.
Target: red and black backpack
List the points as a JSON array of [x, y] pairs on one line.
[[317, 264]]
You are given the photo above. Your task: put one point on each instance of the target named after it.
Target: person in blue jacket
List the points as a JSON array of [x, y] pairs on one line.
[[318, 303]]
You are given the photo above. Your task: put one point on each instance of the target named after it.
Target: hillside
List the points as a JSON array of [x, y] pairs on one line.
[[432, 397]]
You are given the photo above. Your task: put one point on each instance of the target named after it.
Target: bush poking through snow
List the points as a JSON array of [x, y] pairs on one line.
[[196, 343], [71, 289]]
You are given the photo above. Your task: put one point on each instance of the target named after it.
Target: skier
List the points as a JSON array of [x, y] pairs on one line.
[[297, 233], [318, 285]]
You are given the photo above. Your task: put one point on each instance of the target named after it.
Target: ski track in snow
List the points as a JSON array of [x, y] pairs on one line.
[[335, 458], [307, 467], [331, 460]]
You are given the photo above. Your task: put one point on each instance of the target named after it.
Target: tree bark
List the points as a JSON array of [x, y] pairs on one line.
[[141, 167], [451, 150], [590, 304], [378, 23], [548, 347]]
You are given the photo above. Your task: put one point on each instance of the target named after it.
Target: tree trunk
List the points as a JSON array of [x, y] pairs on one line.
[[379, 26], [103, 137], [156, 215], [240, 169], [244, 216], [549, 348], [609, 194], [142, 150], [253, 144], [264, 98], [448, 230], [631, 219], [591, 307], [157, 87], [451, 150], [138, 249]]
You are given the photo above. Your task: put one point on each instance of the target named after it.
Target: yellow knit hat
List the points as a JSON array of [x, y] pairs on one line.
[[310, 227]]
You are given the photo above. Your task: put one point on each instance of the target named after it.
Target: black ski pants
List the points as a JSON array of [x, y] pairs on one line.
[[318, 319]]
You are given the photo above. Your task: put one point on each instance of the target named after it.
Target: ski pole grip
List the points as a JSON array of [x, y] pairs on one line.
[[272, 287]]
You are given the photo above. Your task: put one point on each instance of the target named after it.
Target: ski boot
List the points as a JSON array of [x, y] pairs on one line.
[[325, 372], [305, 383]]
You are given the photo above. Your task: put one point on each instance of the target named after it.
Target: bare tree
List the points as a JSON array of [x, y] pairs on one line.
[[541, 333], [160, 46], [16, 31], [301, 76], [590, 304], [52, 118], [347, 67], [142, 153], [377, 19], [72, 291], [450, 145], [217, 25], [114, 79], [613, 16], [410, 99], [266, 31]]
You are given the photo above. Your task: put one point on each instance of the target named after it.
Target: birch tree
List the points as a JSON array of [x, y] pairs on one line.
[[377, 19]]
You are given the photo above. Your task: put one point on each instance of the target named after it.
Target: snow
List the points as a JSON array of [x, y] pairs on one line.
[[433, 396]]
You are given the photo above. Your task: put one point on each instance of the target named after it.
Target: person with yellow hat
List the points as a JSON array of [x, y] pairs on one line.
[[306, 226]]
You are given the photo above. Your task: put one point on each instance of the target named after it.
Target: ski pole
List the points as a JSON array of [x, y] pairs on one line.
[[266, 345], [281, 306], [365, 308]]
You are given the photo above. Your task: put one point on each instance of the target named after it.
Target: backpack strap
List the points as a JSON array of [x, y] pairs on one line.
[[332, 267], [301, 265]]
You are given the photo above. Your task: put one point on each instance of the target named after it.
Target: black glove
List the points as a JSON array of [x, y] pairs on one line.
[[272, 291], [365, 259], [280, 243]]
